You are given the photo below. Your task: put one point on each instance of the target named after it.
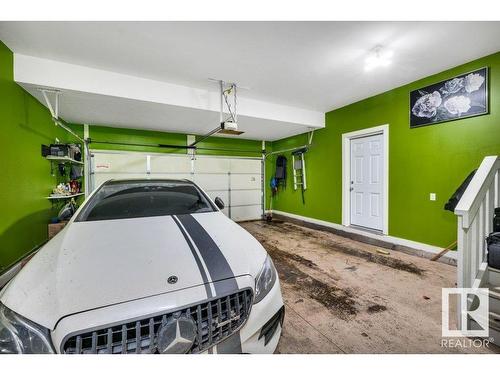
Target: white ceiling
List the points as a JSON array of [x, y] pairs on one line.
[[88, 108], [99, 97], [314, 66]]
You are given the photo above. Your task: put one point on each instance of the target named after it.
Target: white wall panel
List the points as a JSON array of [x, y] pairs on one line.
[[212, 181], [245, 197], [211, 165], [246, 213], [129, 162], [170, 164], [216, 175], [246, 181], [173, 176], [246, 166]]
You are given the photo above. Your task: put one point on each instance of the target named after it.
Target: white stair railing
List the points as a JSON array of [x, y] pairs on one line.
[[475, 212]]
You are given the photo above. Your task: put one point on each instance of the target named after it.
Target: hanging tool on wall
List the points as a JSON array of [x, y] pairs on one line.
[[274, 189], [299, 171], [267, 154], [280, 172]]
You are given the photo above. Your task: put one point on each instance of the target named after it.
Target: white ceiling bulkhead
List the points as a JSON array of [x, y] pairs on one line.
[[155, 75]]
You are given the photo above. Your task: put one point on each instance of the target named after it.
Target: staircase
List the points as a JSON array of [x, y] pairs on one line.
[[493, 285], [475, 212]]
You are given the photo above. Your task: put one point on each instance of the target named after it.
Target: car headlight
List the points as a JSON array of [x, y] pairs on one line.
[[265, 280], [19, 335]]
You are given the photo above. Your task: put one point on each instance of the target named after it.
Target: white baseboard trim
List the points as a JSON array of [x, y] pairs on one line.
[[452, 255]]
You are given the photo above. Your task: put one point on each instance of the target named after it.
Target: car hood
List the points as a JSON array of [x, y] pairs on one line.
[[90, 265]]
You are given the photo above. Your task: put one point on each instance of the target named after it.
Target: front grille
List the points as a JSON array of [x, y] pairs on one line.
[[215, 320]]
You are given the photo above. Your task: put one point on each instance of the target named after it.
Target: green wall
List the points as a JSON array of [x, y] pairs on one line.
[[26, 124], [26, 178], [434, 158], [211, 146]]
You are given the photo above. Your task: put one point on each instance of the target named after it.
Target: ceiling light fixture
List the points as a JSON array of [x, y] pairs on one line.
[[378, 57]]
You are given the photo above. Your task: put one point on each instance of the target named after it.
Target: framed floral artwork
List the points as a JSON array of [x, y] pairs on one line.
[[463, 96]]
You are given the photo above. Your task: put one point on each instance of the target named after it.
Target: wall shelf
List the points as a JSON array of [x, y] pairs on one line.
[[64, 196], [63, 159]]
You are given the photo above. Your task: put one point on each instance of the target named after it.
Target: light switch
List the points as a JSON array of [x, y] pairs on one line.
[[432, 196]]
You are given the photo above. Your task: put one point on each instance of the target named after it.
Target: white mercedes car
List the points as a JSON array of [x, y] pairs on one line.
[[145, 266]]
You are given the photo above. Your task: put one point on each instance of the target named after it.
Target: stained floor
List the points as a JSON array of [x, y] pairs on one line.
[[343, 296]]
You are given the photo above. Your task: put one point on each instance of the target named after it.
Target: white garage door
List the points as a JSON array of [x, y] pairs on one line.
[[237, 181]]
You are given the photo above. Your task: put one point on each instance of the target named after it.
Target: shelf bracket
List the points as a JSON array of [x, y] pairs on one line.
[[54, 109]]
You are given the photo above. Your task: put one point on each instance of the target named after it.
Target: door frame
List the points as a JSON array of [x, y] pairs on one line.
[[346, 172]]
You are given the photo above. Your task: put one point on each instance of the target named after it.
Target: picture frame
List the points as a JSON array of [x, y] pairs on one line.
[[463, 96]]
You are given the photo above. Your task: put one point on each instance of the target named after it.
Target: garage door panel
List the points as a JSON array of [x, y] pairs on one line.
[[211, 181], [246, 213], [170, 164], [99, 178], [211, 165], [129, 163], [245, 197], [246, 181], [215, 175], [173, 176], [245, 166], [222, 194]]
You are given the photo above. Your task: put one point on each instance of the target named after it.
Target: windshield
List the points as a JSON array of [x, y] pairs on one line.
[[132, 199]]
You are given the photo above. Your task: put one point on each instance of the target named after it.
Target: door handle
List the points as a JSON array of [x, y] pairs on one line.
[[351, 188]]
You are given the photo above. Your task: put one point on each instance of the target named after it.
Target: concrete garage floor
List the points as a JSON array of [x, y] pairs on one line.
[[342, 296]]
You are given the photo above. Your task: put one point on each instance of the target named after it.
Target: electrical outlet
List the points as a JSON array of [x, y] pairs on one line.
[[432, 196]]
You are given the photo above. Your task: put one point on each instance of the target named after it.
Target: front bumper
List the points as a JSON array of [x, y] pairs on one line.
[[261, 313], [246, 340], [249, 338]]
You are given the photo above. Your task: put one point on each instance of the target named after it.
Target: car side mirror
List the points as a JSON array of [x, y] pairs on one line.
[[219, 203]]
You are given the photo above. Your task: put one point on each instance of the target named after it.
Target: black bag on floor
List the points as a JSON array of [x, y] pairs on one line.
[[496, 220], [493, 243]]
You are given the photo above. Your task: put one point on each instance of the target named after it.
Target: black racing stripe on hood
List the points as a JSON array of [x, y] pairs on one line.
[[196, 258], [216, 263]]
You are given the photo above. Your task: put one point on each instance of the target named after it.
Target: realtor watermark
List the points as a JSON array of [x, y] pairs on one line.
[[464, 343], [474, 318]]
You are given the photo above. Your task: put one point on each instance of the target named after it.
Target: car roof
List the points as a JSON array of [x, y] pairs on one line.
[[149, 181]]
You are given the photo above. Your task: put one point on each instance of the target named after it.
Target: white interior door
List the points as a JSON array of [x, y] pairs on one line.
[[367, 182]]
